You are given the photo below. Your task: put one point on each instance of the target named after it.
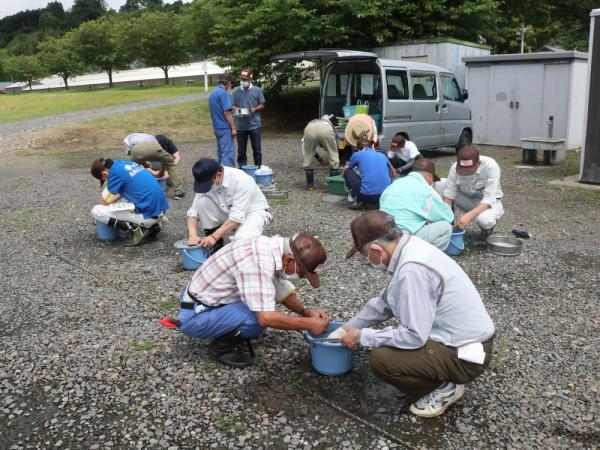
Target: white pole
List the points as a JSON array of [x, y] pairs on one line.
[[206, 75]]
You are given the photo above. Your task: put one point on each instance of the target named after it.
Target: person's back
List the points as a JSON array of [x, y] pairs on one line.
[[374, 172], [138, 186], [219, 101]]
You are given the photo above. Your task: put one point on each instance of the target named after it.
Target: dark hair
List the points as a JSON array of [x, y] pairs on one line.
[[225, 79], [403, 134], [391, 235], [98, 166]]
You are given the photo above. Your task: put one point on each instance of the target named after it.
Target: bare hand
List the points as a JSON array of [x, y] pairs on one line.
[[352, 338], [318, 325], [193, 240], [234, 132], [463, 221], [324, 162], [208, 241], [317, 313]]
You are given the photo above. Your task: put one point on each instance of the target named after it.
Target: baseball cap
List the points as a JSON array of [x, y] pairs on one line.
[[427, 166], [226, 78], [368, 227], [97, 169], [309, 254], [246, 74], [467, 160], [204, 171]]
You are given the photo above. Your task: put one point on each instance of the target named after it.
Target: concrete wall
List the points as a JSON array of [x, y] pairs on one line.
[[577, 96]]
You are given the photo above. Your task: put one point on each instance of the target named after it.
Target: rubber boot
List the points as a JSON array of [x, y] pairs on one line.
[[218, 245], [310, 179], [334, 172], [226, 350], [121, 225]]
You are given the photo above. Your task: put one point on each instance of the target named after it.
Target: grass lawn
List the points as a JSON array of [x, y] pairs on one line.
[[39, 104], [286, 114]]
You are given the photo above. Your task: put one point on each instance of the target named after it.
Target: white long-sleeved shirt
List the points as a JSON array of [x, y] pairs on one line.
[[484, 184], [237, 196]]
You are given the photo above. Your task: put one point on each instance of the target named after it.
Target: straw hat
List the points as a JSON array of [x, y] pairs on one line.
[[360, 125]]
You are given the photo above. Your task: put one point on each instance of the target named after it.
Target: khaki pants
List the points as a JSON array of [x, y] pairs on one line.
[[320, 133], [421, 371], [152, 151]]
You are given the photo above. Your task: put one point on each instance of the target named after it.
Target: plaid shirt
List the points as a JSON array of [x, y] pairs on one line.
[[244, 270]]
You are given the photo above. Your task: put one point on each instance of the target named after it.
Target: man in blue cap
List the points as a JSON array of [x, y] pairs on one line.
[[220, 106], [228, 202]]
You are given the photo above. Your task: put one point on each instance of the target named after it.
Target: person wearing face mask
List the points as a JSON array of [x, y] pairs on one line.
[[250, 99], [417, 207], [228, 202], [233, 296], [445, 336]]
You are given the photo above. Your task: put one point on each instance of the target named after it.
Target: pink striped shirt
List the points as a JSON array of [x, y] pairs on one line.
[[243, 270]]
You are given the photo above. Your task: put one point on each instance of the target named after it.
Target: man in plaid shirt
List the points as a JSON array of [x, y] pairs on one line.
[[233, 296]]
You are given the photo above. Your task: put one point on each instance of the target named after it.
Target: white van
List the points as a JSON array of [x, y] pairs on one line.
[[422, 100]]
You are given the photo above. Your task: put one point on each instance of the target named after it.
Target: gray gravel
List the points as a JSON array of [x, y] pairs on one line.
[[85, 364], [26, 126]]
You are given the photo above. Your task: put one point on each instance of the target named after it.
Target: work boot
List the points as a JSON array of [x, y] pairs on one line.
[[310, 179], [154, 230], [178, 195], [227, 349], [218, 245], [138, 235], [486, 233], [119, 224], [334, 172]]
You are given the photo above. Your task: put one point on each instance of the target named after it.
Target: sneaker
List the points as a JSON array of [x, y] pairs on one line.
[[154, 230], [310, 187], [178, 195], [356, 206], [436, 402], [138, 235]]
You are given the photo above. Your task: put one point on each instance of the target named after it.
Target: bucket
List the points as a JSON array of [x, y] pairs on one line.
[[329, 358], [457, 243], [192, 257], [336, 185], [263, 180], [106, 232], [162, 182], [250, 169]]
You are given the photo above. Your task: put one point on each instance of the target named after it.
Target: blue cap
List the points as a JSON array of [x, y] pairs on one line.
[[204, 171]]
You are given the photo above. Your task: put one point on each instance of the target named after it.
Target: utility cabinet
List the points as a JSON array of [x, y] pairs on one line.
[[515, 96]]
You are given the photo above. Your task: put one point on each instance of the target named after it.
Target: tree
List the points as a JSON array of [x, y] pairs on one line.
[[136, 5], [60, 58], [25, 68], [158, 40], [85, 10], [97, 43]]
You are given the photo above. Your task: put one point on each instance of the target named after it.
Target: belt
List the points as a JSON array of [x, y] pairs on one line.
[[195, 302]]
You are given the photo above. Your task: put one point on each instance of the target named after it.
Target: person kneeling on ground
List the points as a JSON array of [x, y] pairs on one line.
[[374, 175], [416, 206], [473, 185], [227, 200], [320, 132], [403, 153], [233, 296], [143, 147], [131, 181], [445, 335]]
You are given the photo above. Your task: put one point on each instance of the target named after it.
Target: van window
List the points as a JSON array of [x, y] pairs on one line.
[[423, 86], [397, 84], [450, 88], [336, 85], [366, 86]]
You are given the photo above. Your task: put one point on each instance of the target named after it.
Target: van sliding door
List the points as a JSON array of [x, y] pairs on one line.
[[425, 110]]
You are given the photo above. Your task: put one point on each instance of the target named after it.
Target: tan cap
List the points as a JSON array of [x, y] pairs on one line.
[[309, 254], [369, 227], [360, 126], [467, 160]]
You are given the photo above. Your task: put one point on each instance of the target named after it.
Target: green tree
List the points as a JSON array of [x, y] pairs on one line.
[[158, 40], [26, 68], [60, 57], [98, 44], [85, 10]]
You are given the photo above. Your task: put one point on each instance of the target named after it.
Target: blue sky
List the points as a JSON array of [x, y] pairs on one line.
[[9, 7]]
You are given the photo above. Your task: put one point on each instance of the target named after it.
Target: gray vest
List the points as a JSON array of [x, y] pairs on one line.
[[460, 317]]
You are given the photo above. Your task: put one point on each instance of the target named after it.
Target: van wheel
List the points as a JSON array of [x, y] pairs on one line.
[[463, 140]]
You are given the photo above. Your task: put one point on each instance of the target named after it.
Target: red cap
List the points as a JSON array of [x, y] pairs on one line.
[[467, 160]]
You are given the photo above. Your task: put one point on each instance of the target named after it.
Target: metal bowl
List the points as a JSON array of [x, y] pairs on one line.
[[505, 245]]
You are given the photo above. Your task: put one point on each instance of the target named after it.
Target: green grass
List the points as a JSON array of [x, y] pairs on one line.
[[143, 346], [169, 304], [31, 105]]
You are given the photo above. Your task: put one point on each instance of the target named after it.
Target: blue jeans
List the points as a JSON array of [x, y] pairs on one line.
[[225, 150], [218, 321], [353, 183], [242, 141]]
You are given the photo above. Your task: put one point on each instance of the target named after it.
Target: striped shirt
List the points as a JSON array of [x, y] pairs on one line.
[[245, 270]]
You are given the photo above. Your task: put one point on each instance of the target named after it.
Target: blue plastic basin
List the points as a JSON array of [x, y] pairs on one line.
[[457, 243], [329, 358], [250, 169], [192, 257], [106, 232], [263, 180]]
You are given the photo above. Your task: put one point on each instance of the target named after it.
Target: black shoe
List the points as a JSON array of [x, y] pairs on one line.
[[154, 230], [229, 353], [356, 206], [178, 195]]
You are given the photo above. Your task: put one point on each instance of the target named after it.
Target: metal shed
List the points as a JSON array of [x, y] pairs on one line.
[[445, 52], [513, 96]]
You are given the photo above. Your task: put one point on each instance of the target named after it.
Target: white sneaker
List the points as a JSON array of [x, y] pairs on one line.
[[436, 402]]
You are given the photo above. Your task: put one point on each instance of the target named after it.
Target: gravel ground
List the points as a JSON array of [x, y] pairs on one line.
[[25, 126], [85, 364]]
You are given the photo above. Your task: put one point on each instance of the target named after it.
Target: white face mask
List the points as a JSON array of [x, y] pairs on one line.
[[214, 187], [245, 84], [381, 266], [292, 277]]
